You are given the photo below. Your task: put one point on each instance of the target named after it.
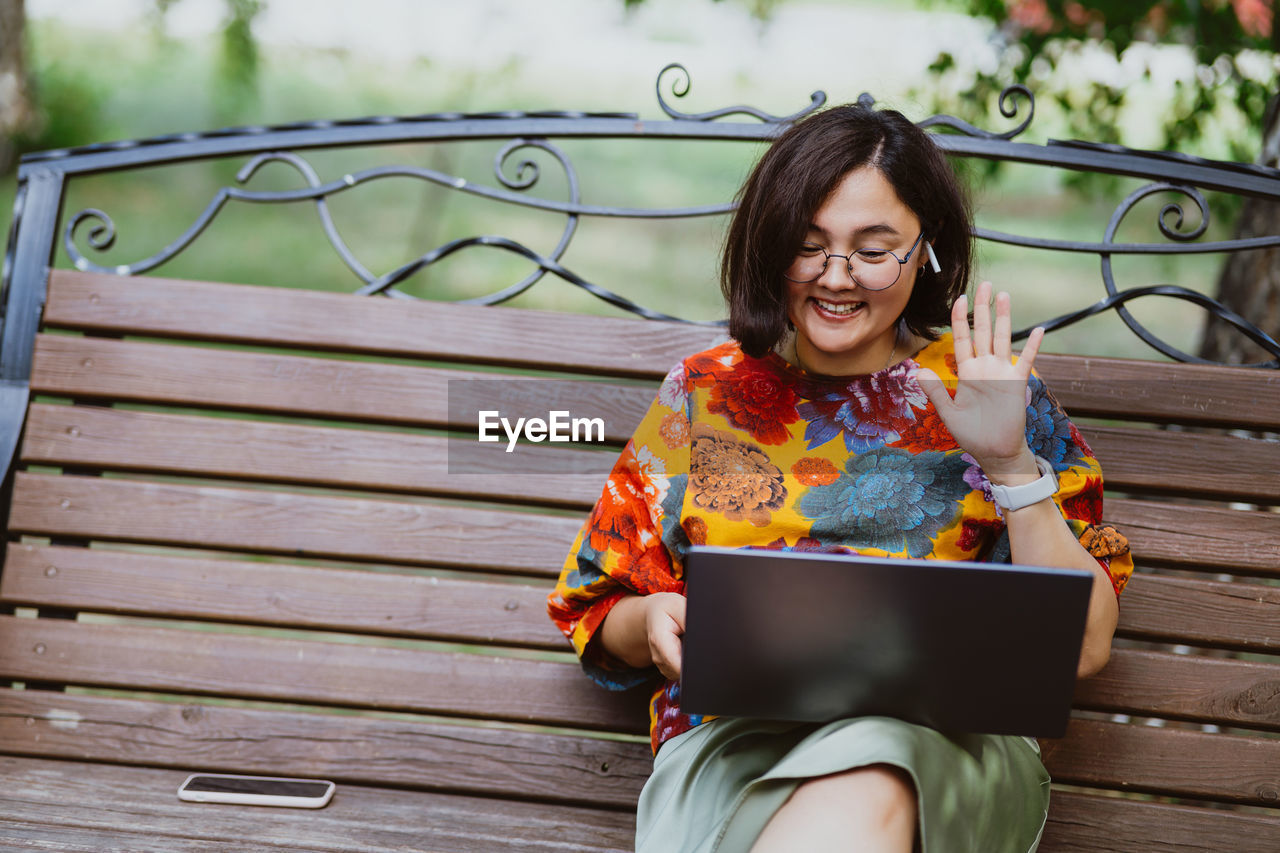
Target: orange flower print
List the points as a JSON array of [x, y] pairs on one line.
[[696, 529], [815, 471], [733, 477], [674, 430], [621, 517], [927, 432], [1104, 541]]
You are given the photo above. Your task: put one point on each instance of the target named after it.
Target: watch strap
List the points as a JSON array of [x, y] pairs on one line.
[[1016, 497]]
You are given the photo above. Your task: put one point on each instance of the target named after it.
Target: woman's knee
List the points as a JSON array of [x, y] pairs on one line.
[[874, 802], [879, 789]]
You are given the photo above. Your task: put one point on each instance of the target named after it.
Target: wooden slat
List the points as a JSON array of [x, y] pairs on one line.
[[1199, 537], [1085, 385], [568, 769], [1149, 684], [1082, 823], [433, 608], [1173, 762], [95, 436], [1243, 469], [338, 389], [73, 806], [149, 441], [300, 524], [315, 320], [123, 440], [1187, 687], [1177, 610], [558, 767], [1234, 615], [348, 749], [375, 676], [1130, 389], [243, 519]]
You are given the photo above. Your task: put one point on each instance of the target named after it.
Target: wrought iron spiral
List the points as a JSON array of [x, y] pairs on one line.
[[684, 82]]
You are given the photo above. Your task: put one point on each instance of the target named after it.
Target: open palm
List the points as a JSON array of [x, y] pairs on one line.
[[987, 416]]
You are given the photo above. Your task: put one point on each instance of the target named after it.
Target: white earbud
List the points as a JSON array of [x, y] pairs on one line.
[[933, 259]]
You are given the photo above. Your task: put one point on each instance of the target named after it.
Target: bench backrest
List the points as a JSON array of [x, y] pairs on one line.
[[240, 539]]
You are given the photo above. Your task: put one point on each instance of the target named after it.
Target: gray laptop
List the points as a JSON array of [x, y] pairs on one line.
[[958, 646]]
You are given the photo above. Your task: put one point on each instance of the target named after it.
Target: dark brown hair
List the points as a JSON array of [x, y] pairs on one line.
[[794, 178]]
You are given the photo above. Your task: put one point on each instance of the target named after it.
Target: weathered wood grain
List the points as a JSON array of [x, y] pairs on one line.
[[1193, 394], [400, 752], [1140, 461], [1140, 390], [407, 605], [94, 807], [380, 460], [1147, 759], [1199, 537], [1217, 540], [331, 388], [1186, 687], [380, 677], [1134, 460], [396, 531], [1236, 615], [521, 337], [1081, 823]]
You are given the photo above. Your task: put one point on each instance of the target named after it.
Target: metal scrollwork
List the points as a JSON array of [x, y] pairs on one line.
[[101, 237], [1170, 221], [1008, 103], [683, 82], [525, 151]]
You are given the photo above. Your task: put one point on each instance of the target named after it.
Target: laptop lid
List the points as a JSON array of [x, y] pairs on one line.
[[958, 646]]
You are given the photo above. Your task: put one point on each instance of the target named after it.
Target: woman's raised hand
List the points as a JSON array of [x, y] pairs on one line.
[[987, 416]]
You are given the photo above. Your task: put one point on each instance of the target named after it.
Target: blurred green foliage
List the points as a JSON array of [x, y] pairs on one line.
[[1046, 44], [161, 85]]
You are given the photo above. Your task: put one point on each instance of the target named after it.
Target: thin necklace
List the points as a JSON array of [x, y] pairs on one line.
[[892, 353]]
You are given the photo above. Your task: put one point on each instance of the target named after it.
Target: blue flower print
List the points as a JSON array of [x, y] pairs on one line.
[[870, 412], [673, 535], [889, 499], [1048, 430], [587, 572]]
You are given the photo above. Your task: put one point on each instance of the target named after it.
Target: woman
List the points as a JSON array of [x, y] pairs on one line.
[[839, 419]]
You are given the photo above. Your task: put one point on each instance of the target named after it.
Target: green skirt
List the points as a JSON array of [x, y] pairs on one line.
[[715, 787]]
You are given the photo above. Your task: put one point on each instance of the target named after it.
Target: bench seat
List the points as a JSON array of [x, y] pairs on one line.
[[239, 541]]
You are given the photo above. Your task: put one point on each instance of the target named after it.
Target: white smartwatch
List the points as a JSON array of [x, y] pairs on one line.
[[1016, 497]]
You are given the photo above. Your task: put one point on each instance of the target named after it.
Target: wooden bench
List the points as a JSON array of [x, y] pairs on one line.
[[236, 543]]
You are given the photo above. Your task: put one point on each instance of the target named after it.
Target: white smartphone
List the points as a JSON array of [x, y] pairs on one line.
[[256, 790]]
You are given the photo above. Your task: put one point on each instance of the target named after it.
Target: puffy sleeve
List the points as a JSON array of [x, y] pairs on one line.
[[1052, 435], [632, 541]]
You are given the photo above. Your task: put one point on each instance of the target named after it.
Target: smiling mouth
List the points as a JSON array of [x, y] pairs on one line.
[[838, 309]]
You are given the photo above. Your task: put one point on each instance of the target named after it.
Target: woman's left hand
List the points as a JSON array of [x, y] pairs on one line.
[[988, 413]]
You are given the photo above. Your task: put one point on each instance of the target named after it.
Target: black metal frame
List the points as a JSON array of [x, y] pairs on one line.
[[42, 179]]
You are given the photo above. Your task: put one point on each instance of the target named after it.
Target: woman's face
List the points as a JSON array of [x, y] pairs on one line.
[[841, 327]]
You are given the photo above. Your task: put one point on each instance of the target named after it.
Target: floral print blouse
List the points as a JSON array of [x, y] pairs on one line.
[[755, 453]]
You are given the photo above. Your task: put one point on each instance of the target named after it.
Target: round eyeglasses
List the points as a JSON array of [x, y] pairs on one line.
[[876, 270]]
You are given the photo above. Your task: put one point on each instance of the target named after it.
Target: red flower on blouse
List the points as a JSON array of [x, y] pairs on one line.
[[974, 531], [649, 571], [927, 432], [621, 513], [752, 397], [1079, 440], [1086, 504]]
